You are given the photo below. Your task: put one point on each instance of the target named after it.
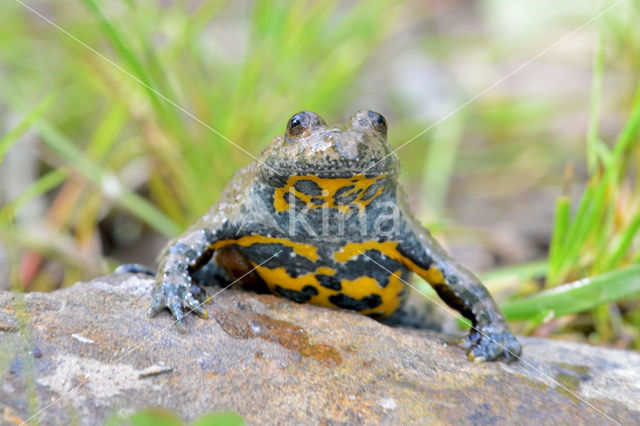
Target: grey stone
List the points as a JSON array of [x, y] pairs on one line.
[[88, 352]]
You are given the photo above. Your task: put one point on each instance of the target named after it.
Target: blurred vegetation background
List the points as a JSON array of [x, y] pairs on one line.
[[121, 121]]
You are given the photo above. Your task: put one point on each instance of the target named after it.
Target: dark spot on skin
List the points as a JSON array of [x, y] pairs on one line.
[[410, 253], [374, 264], [277, 181], [293, 273], [317, 201], [342, 195], [344, 189], [293, 200], [371, 190], [308, 187], [329, 281], [209, 235], [179, 268], [259, 251], [303, 296], [347, 302]]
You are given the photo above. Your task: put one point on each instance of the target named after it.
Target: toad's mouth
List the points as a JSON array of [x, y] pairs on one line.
[[375, 167], [361, 172]]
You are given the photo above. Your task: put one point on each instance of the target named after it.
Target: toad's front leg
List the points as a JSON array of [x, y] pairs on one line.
[[223, 224], [181, 257], [490, 337], [185, 255]]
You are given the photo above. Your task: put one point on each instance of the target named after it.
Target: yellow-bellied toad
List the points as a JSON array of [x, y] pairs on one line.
[[320, 218]]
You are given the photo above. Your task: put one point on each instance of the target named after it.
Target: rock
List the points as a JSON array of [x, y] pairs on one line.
[[89, 352]]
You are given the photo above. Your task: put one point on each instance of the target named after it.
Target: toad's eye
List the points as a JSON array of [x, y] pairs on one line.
[[378, 122], [298, 124]]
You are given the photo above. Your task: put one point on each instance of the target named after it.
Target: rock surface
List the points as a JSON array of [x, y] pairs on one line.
[[88, 352]]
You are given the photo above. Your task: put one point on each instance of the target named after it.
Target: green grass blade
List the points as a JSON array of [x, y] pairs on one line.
[[594, 113], [26, 123], [622, 247], [440, 161], [521, 272], [560, 262], [625, 141], [105, 135], [39, 187], [137, 68], [577, 296], [584, 226], [119, 43], [561, 223], [107, 182], [592, 221], [607, 236]]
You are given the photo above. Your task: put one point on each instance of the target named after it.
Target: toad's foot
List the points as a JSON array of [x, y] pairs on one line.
[[489, 344], [175, 298]]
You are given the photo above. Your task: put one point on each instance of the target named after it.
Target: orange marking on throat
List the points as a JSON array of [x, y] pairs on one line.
[[329, 188]]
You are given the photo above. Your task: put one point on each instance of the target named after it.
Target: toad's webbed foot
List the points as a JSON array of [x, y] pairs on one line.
[[170, 296], [489, 344], [175, 298]]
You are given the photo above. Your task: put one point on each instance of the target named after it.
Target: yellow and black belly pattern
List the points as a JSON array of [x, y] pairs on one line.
[[366, 276], [339, 266]]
